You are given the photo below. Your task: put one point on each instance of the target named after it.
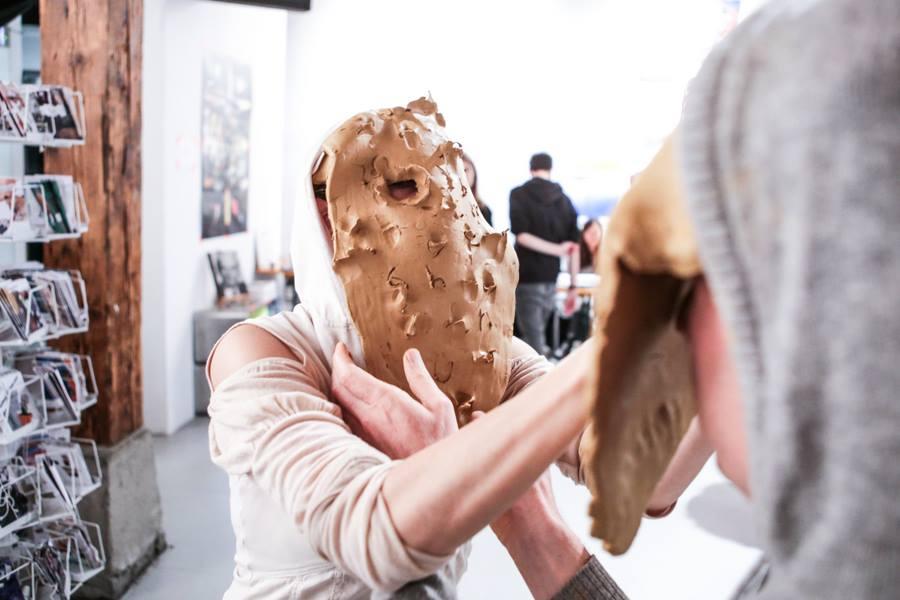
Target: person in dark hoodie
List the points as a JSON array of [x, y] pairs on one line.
[[546, 228]]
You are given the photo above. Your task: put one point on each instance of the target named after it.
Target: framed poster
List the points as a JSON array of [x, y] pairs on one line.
[[225, 146]]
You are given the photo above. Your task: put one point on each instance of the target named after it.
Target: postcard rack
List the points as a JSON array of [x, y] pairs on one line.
[[46, 549]]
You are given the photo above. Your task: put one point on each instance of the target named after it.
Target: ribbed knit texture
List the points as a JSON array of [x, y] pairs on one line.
[[790, 146], [590, 583]]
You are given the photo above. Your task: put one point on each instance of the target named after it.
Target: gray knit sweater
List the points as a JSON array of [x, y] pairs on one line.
[[791, 155]]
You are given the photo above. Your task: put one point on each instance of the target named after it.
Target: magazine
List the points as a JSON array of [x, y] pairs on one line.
[[16, 108], [56, 210], [52, 110], [7, 204], [226, 271], [57, 300], [15, 302]]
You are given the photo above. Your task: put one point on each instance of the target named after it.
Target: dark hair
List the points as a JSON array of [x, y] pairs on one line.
[[587, 257], [473, 185], [541, 162]]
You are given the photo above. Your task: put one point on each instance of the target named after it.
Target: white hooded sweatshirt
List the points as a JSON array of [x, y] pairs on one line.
[[306, 503]]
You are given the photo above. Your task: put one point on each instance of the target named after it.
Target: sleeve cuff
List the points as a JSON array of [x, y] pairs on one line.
[[592, 582], [397, 563]]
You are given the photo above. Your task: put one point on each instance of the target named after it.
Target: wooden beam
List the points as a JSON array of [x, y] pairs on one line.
[[94, 46]]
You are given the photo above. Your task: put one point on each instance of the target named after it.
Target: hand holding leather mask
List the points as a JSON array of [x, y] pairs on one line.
[[642, 396], [420, 266]]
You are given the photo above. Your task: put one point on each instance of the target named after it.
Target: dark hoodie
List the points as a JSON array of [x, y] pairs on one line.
[[540, 207]]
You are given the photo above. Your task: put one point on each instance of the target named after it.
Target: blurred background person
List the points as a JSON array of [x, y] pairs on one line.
[[472, 176], [589, 245], [545, 224], [576, 328]]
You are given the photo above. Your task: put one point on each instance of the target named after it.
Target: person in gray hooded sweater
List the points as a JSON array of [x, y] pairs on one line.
[[791, 161], [790, 155]]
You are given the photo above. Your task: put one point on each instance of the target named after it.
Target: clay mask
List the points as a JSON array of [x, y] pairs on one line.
[[420, 266], [642, 394]]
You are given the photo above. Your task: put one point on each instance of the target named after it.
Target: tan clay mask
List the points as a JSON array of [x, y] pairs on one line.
[[420, 267], [642, 396]]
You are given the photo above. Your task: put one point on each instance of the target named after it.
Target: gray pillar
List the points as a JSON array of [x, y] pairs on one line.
[[127, 508]]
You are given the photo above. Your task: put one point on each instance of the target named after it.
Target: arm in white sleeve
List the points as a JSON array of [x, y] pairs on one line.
[[271, 420]]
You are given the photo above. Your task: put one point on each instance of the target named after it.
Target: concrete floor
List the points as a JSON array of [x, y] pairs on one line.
[[700, 552]]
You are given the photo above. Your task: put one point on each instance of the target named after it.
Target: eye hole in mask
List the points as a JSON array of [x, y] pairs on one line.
[[320, 191], [403, 190]]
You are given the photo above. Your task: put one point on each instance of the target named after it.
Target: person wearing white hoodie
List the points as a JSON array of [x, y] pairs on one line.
[[317, 512]]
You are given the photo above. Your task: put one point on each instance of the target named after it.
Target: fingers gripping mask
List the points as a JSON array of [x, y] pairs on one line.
[[643, 394], [420, 266]]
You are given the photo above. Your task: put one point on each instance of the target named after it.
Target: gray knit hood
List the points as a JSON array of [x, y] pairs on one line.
[[790, 147]]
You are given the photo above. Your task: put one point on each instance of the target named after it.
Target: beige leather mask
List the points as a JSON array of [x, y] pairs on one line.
[[642, 395], [420, 266]]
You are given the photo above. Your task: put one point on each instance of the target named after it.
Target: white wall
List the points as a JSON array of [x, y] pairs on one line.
[[176, 279], [595, 83]]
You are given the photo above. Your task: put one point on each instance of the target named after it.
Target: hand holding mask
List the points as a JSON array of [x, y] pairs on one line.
[[419, 265], [642, 397]]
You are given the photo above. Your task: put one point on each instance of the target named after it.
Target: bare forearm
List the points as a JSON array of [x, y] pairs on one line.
[[547, 554], [693, 452], [569, 462], [574, 266], [533, 242], [441, 496]]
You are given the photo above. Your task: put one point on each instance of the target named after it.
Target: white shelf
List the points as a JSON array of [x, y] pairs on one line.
[[43, 239], [40, 142], [41, 338]]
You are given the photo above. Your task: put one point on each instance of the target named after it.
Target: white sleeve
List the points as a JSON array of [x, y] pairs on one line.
[[271, 420]]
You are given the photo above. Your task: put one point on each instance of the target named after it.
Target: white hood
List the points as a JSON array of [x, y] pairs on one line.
[[318, 287], [445, 286]]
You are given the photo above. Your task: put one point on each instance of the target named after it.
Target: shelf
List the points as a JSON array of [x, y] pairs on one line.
[[21, 434], [266, 272], [42, 240], [37, 141], [40, 339]]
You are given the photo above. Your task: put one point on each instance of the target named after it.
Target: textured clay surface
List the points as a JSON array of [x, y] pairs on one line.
[[420, 266], [642, 395]]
